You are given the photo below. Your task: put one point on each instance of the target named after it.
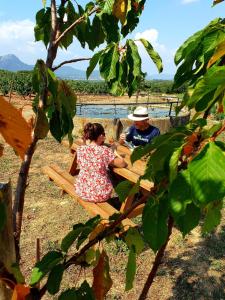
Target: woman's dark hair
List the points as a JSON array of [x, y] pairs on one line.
[[92, 131]]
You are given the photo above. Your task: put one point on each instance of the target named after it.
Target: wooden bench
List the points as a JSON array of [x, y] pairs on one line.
[[66, 181]]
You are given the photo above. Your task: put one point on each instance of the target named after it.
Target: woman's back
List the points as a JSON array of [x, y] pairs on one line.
[[93, 183]]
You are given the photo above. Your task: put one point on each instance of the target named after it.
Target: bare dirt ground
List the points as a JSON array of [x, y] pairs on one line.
[[193, 267]]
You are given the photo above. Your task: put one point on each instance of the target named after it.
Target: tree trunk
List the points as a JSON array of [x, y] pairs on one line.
[[7, 247]]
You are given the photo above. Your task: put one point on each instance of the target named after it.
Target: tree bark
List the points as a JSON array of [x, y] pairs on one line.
[[20, 194], [7, 247]]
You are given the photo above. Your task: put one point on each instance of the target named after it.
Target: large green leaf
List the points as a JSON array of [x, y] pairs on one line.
[[134, 240], [42, 29], [123, 189], [173, 163], [93, 62], [110, 28], [70, 238], [108, 61], [190, 219], [207, 173], [214, 77], [131, 269], [180, 194], [153, 54], [46, 264], [213, 216], [154, 219], [136, 59], [54, 279]]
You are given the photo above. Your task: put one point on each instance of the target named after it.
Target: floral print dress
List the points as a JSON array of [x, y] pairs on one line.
[[93, 183]]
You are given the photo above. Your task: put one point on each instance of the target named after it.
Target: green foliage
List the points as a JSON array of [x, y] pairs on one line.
[[50, 260], [131, 269], [125, 189], [207, 173], [154, 219], [54, 279], [83, 292]]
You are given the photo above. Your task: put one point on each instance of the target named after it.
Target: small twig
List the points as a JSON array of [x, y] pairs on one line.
[[217, 133], [78, 21], [106, 232], [156, 263], [69, 62]]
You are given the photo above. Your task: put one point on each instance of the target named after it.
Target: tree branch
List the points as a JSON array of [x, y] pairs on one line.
[[217, 133], [52, 49], [106, 232], [78, 21], [157, 262], [69, 62], [20, 194]]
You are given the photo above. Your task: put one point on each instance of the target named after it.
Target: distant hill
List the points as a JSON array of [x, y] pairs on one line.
[[11, 62]]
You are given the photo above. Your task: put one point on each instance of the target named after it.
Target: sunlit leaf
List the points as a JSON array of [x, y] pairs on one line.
[[207, 173], [14, 128], [153, 54], [213, 216], [134, 239], [154, 218], [220, 52], [180, 194], [41, 268], [120, 10]]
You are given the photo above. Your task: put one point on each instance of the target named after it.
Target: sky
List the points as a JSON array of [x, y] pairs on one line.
[[165, 23]]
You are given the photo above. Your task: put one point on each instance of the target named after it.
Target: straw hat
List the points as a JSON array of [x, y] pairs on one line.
[[140, 113]]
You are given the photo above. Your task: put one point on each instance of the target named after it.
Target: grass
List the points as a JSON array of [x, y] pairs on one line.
[[193, 268]]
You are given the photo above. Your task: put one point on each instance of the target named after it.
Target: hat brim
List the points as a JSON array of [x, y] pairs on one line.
[[131, 117]]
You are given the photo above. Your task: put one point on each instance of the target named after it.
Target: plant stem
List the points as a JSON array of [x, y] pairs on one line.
[[156, 263], [106, 232], [20, 194]]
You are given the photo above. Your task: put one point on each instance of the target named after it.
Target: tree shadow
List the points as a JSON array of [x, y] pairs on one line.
[[200, 270]]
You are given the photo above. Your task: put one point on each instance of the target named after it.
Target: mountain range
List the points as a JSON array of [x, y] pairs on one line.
[[11, 62]]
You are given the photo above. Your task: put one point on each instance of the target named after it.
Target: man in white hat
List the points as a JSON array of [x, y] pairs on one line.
[[141, 132]]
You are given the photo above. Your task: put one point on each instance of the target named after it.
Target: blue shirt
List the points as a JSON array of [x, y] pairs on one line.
[[141, 137]]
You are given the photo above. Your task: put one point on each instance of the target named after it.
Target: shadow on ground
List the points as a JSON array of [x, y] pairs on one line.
[[199, 272]]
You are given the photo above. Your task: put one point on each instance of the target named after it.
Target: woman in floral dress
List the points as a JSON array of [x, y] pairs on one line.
[[93, 183]]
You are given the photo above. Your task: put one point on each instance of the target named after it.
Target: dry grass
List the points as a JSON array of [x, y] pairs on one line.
[[193, 267]]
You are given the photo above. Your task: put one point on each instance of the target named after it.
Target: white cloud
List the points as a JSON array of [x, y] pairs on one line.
[[17, 37], [166, 54], [188, 1]]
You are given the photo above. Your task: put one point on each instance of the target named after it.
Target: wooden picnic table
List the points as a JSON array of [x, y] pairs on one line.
[[65, 180], [132, 172]]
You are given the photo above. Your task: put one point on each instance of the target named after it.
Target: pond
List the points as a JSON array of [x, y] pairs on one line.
[[120, 111]]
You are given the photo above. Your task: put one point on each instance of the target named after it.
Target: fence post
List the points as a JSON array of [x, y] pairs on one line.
[[7, 246]]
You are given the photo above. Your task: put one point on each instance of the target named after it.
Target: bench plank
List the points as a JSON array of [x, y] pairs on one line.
[[64, 180]]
